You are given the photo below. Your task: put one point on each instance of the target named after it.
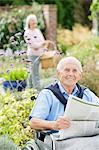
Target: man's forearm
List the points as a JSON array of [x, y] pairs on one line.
[[40, 124]]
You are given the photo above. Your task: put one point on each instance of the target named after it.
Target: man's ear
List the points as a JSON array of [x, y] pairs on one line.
[[58, 73], [80, 76]]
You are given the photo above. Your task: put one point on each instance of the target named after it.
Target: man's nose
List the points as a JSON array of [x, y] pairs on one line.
[[70, 72]]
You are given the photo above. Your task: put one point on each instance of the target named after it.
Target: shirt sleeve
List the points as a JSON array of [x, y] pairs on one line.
[[42, 105], [90, 96]]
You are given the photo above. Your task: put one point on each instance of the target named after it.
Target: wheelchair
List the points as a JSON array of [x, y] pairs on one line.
[[50, 140], [44, 140]]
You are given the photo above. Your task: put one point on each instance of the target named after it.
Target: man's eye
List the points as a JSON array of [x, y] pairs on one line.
[[67, 70], [75, 70]]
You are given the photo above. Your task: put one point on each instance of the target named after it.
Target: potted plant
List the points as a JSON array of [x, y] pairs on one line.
[[15, 79]]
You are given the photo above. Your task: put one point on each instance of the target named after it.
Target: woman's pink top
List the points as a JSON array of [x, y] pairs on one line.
[[34, 39]]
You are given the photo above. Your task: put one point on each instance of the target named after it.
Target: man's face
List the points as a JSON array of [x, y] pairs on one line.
[[69, 75]]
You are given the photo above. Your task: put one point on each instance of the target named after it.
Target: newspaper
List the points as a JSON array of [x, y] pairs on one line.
[[79, 109], [84, 118]]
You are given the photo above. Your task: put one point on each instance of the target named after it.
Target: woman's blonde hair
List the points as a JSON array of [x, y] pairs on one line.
[[30, 17]]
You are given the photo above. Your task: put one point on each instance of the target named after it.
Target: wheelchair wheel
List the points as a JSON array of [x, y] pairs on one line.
[[28, 148], [31, 145]]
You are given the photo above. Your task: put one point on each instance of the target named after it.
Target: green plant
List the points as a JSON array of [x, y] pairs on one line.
[[13, 22], [94, 8], [16, 42], [85, 49], [15, 74], [17, 108], [7, 144], [91, 74], [63, 48], [15, 2], [65, 11]]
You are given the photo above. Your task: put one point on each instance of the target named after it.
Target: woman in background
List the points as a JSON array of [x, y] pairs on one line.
[[35, 48]]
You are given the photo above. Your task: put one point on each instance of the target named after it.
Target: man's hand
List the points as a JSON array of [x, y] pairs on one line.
[[61, 123]]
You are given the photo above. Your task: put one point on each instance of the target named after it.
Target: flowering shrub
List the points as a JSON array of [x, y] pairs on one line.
[[16, 42], [13, 20], [69, 38], [15, 123], [91, 74]]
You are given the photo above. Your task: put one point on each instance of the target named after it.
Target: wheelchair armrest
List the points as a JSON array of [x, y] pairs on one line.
[[40, 134], [48, 132]]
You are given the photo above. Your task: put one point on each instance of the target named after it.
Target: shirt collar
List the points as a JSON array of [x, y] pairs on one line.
[[75, 90]]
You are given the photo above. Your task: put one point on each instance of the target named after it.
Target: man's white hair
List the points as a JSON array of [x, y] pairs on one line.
[[30, 17], [64, 61]]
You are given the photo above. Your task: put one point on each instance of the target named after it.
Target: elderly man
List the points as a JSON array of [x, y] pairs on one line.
[[48, 110]]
